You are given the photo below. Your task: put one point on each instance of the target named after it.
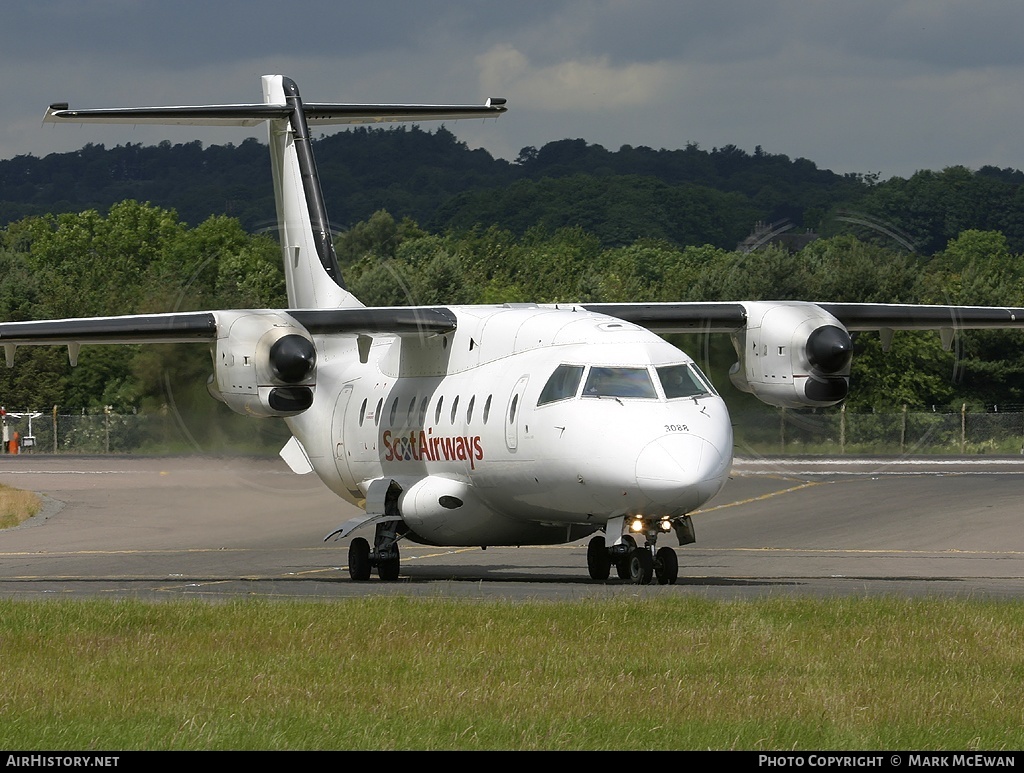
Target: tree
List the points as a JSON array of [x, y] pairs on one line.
[[137, 258]]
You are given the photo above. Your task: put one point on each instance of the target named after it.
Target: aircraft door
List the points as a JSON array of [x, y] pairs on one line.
[[340, 437], [512, 413]]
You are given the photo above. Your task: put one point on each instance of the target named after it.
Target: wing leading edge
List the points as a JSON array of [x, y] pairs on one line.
[[180, 327], [729, 317], [190, 327], [905, 316]]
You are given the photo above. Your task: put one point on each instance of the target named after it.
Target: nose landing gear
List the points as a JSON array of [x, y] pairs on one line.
[[638, 564]]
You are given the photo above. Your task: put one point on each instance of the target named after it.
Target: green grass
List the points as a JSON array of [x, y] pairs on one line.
[[17, 506], [410, 673]]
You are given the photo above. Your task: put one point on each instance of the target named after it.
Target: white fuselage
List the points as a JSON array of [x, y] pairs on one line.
[[460, 423]]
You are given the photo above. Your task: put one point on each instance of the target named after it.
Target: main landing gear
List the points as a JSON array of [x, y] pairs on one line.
[[638, 564], [385, 556]]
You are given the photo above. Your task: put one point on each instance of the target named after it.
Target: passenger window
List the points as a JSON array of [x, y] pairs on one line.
[[376, 413], [512, 409], [562, 385], [469, 410], [394, 412], [437, 410], [619, 382], [362, 412], [455, 407], [423, 410], [487, 408], [682, 381]]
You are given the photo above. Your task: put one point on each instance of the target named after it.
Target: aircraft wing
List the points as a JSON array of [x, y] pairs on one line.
[[728, 317], [383, 320], [697, 317], [676, 317], [186, 327], [179, 327], [903, 316]]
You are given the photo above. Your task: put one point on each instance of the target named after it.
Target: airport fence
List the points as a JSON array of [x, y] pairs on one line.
[[768, 431], [838, 431], [109, 432]]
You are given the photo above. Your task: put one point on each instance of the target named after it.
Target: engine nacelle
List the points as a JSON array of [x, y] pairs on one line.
[[264, 364], [792, 355]]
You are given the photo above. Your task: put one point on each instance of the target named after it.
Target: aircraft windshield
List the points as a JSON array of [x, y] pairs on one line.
[[683, 381], [619, 382], [562, 384]]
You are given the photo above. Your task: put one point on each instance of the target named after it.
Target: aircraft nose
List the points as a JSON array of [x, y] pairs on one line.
[[681, 470]]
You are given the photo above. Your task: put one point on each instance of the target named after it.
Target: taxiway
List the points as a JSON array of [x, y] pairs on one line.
[[218, 528]]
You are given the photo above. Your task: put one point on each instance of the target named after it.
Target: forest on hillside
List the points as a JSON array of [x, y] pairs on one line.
[[685, 197]]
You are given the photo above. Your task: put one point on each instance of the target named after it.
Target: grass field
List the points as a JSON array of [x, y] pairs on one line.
[[17, 506], [403, 673]]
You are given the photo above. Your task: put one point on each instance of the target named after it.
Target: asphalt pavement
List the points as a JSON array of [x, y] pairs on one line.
[[217, 528]]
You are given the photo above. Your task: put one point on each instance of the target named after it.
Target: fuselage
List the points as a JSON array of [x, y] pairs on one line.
[[524, 425]]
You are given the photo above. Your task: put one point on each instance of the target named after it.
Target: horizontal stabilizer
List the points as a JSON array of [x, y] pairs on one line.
[[255, 114]]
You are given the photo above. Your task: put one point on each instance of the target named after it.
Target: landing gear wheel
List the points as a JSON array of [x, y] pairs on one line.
[[622, 562], [598, 561], [388, 568], [641, 566], [359, 559], [666, 566]]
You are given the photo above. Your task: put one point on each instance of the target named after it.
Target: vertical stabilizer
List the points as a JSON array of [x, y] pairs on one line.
[[310, 262]]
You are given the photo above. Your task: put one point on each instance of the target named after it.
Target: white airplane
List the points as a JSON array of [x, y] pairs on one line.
[[515, 424]]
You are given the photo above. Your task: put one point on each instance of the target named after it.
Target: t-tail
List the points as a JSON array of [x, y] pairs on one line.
[[312, 272]]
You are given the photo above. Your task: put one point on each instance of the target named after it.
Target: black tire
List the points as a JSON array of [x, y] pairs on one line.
[[622, 563], [666, 566], [641, 566], [359, 559], [599, 562], [388, 569]]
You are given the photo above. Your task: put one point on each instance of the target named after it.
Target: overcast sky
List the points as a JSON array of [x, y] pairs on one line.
[[886, 86]]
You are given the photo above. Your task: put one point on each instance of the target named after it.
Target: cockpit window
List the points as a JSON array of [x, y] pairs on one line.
[[619, 382], [683, 381], [562, 385]]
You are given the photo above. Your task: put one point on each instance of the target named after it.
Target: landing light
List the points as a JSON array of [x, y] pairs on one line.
[[637, 524], [666, 524]]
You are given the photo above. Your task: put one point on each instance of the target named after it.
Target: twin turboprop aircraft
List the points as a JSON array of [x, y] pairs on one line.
[[513, 424]]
